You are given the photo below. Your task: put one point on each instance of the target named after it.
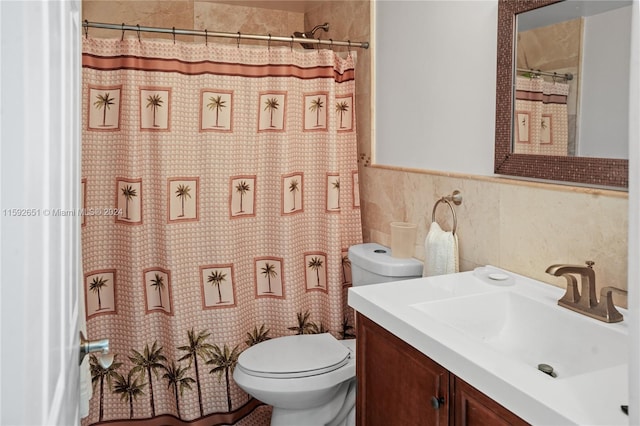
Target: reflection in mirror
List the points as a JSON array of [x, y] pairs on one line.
[[559, 126], [573, 71]]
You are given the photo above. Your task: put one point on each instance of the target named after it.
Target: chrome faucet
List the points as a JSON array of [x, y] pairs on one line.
[[585, 300]]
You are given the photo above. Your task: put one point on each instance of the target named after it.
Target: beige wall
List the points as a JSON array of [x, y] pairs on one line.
[[189, 14], [523, 227]]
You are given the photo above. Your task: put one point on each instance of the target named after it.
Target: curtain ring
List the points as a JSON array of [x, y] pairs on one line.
[[318, 45], [138, 25], [349, 49], [331, 45], [238, 42], [206, 38], [122, 38], [174, 34], [291, 43], [86, 29], [555, 74], [269, 42]]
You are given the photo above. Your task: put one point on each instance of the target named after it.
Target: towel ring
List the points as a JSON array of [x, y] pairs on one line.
[[453, 212]]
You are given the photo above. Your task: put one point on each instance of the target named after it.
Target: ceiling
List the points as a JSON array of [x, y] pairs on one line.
[[299, 6], [565, 11]]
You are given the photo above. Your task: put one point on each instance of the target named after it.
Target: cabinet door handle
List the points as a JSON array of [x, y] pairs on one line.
[[436, 402]]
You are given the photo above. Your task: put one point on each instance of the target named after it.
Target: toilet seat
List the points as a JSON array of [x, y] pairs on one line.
[[294, 356]]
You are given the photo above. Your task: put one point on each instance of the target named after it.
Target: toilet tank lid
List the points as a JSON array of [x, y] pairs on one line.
[[377, 259]]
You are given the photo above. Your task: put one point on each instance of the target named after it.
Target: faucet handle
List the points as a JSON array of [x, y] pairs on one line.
[[606, 303]]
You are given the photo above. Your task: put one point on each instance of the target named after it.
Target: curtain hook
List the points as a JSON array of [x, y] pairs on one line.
[[86, 29], [139, 41], [291, 43], [555, 75], [238, 42], [349, 49], [269, 42], [331, 45], [318, 45], [174, 34], [122, 38], [206, 38]]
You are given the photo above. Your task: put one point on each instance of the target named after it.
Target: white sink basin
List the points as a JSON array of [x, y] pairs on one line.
[[532, 332], [492, 328]]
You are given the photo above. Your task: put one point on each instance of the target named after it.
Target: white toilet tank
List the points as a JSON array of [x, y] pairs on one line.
[[372, 263]]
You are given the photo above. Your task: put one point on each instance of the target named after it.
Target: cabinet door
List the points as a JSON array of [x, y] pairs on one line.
[[473, 408], [396, 383]]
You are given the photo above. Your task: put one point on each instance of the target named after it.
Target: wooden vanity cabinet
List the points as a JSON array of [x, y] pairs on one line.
[[399, 385], [473, 408]]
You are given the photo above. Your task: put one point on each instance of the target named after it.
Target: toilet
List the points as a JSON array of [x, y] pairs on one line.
[[310, 379]]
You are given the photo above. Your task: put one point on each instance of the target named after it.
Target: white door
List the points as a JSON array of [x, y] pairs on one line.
[[39, 178]]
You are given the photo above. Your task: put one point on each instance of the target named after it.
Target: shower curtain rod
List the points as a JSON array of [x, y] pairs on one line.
[[567, 76], [238, 36]]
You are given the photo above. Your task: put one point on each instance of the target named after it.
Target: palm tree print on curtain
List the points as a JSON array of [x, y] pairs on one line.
[[268, 273], [104, 110], [217, 286], [342, 108], [333, 192], [182, 192], [197, 348], [258, 335], [98, 376], [147, 362], [189, 221], [243, 193], [216, 114], [305, 326], [225, 362], [292, 193], [129, 388], [316, 275], [104, 103], [346, 269], [100, 292], [175, 375], [157, 287], [158, 283], [183, 199], [271, 113], [128, 193], [344, 113], [315, 114], [294, 189], [155, 108], [129, 200]]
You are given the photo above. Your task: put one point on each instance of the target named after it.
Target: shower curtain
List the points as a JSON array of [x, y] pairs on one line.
[[220, 195], [541, 117]]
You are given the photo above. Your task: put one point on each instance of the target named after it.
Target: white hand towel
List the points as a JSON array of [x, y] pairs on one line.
[[441, 252]]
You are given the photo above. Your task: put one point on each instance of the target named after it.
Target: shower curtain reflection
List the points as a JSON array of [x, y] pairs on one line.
[[220, 194], [541, 117]]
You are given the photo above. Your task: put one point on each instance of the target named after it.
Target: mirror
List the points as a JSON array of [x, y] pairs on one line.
[[518, 128]]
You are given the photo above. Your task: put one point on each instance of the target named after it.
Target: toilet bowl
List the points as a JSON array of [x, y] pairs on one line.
[[310, 380]]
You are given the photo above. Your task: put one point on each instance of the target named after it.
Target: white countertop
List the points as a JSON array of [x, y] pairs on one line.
[[588, 398]]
